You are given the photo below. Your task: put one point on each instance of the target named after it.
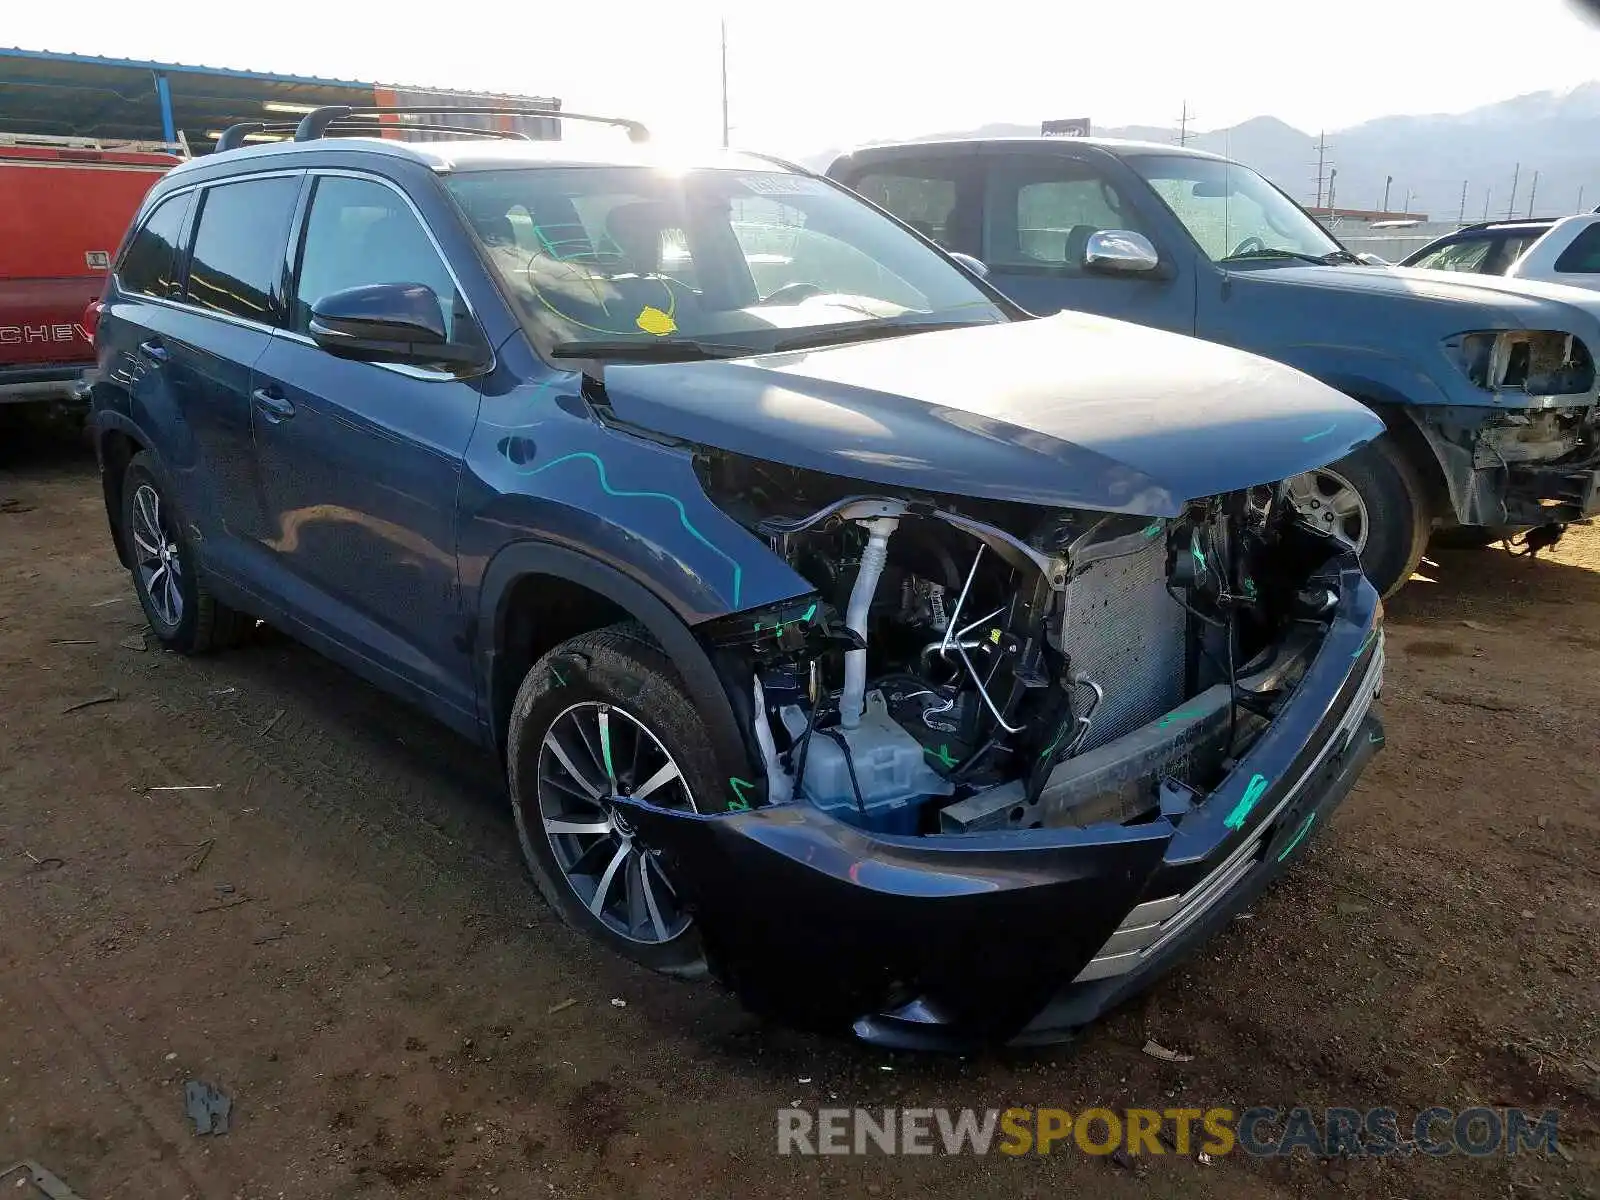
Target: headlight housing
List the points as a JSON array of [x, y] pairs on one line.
[[1540, 362]]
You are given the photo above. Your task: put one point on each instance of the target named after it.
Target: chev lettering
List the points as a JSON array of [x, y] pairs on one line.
[[22, 335]]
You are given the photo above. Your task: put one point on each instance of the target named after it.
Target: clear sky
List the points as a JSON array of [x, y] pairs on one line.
[[809, 74]]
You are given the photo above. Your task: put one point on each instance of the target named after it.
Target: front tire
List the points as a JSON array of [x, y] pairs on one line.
[[603, 715], [183, 614], [1373, 501]]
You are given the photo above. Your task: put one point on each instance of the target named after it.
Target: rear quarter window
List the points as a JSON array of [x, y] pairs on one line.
[[149, 266]]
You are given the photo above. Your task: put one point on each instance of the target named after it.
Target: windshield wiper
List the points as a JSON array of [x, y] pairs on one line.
[[1326, 260], [864, 331], [659, 350]]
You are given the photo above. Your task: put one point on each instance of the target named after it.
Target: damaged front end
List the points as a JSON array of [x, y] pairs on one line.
[[1015, 761], [1533, 458]]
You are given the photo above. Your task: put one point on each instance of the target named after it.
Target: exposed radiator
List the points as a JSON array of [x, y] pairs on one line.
[[1125, 632]]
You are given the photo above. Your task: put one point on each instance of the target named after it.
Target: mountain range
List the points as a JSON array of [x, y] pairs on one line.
[[1556, 134]]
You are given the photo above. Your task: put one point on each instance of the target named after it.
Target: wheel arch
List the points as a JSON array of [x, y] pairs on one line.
[[527, 604], [116, 442]]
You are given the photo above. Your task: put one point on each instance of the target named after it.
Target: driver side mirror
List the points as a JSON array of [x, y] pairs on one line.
[[975, 265], [1120, 252], [389, 323]]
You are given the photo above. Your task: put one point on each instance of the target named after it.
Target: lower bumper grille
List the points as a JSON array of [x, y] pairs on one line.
[[1151, 925]]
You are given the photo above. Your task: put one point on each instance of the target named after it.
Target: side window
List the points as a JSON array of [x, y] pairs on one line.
[[149, 264], [361, 232], [924, 200], [1041, 212], [237, 258], [1457, 256], [1582, 257]]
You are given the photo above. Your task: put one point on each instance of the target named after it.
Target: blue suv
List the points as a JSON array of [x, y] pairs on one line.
[[917, 667], [1487, 386]]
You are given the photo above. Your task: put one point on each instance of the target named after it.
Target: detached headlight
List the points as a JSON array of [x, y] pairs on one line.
[[1540, 362]]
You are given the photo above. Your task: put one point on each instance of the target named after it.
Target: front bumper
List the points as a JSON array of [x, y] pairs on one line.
[[951, 941]]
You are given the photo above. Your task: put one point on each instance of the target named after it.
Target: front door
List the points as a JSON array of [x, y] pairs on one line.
[[1039, 211], [361, 462]]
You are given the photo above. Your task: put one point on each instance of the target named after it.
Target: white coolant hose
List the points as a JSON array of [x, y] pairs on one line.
[[873, 558]]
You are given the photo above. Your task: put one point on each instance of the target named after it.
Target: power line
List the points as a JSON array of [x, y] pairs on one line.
[[1322, 162], [1183, 124]]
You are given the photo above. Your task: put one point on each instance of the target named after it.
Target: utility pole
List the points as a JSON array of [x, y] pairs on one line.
[[1462, 218], [1183, 125], [1533, 192], [724, 83], [1388, 182], [1322, 159], [1407, 206], [1332, 175], [1487, 192], [1580, 197], [1511, 205]]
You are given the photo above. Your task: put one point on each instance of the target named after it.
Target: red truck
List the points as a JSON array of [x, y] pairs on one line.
[[64, 206]]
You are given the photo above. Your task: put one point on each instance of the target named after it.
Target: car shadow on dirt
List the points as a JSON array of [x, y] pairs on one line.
[[1493, 581]]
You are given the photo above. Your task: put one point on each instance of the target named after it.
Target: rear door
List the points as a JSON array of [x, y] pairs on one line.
[[1039, 211], [938, 196], [360, 462]]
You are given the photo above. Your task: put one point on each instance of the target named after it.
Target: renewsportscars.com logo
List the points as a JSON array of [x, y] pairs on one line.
[[1259, 1132]]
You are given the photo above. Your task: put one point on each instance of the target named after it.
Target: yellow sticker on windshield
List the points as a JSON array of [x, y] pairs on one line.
[[653, 320]]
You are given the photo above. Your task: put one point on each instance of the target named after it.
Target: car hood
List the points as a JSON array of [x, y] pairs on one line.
[[1070, 411], [1524, 303]]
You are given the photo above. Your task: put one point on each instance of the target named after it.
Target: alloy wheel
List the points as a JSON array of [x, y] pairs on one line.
[[156, 555], [592, 754], [1329, 502]]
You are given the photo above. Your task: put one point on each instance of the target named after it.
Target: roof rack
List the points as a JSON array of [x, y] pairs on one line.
[[315, 123], [235, 136], [1504, 221]]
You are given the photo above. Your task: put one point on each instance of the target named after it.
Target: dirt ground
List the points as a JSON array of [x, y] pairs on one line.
[[336, 930]]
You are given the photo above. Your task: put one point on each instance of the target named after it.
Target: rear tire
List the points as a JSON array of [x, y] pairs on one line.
[[1394, 511], [601, 878], [183, 614]]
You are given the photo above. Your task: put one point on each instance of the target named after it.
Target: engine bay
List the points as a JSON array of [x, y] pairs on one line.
[[955, 654]]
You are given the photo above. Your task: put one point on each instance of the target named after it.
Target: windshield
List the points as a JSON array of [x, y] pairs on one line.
[[626, 259], [1233, 212]]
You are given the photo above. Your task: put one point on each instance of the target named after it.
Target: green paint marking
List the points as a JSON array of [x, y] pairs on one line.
[[1173, 718], [1152, 529], [778, 626], [1194, 552], [683, 516], [1298, 838], [1321, 433], [605, 751], [1365, 642], [1250, 587], [1374, 739], [560, 678], [739, 803], [944, 757], [1241, 810]]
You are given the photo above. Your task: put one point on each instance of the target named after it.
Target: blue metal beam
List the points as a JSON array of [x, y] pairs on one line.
[[169, 129], [95, 60]]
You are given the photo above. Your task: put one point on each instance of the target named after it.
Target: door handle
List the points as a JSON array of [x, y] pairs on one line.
[[273, 406], [154, 351]]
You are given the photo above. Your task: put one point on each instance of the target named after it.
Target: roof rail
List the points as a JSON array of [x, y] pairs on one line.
[[315, 123], [235, 136], [1504, 221]]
